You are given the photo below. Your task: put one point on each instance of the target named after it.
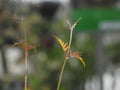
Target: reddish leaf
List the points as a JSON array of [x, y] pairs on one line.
[[78, 56], [25, 46]]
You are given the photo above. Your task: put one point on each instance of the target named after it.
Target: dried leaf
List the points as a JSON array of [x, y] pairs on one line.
[[15, 18], [78, 56], [64, 46], [25, 46]]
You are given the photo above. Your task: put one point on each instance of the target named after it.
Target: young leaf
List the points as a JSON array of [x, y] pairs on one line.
[[78, 56], [68, 23], [64, 46], [72, 26]]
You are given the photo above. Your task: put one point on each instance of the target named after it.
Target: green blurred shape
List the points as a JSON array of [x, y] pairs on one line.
[[92, 17]]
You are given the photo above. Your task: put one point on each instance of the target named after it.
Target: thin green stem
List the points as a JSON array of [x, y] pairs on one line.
[[61, 74]]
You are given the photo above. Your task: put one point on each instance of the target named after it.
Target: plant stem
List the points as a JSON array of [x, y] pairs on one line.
[[26, 70], [61, 74], [67, 53], [26, 61], [25, 37], [64, 63], [70, 40]]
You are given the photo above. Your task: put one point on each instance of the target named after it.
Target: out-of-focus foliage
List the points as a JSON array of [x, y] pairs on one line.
[[113, 53], [46, 63]]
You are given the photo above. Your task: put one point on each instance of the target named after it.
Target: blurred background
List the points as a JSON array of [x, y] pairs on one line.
[[97, 36]]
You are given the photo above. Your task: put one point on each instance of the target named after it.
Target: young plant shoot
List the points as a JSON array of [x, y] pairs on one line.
[[68, 54]]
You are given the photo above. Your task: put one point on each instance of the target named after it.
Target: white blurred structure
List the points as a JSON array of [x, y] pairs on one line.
[[12, 55]]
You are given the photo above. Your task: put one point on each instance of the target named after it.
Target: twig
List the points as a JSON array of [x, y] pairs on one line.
[[66, 55]]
